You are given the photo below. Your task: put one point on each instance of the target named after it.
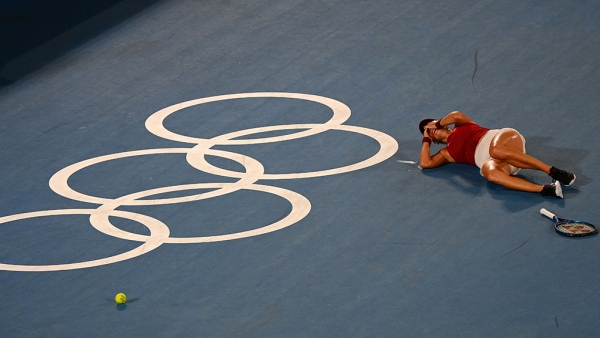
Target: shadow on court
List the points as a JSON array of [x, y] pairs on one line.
[[33, 33]]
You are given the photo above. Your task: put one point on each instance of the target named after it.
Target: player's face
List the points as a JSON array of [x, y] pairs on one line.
[[437, 135]]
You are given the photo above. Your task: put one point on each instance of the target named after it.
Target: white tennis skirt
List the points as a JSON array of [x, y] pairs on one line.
[[482, 152]]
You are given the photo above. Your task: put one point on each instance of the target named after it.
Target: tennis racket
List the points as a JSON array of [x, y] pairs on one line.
[[571, 228]]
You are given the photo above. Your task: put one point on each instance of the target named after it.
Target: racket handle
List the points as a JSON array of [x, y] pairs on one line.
[[547, 213]]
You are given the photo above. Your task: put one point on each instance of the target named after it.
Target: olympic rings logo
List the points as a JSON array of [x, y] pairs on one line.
[[196, 157]]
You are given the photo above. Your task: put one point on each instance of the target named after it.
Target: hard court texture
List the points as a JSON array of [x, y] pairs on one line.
[[248, 168]]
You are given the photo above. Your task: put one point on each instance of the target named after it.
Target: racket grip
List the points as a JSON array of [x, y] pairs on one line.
[[547, 213]]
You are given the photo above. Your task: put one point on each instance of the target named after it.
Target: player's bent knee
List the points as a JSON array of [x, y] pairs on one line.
[[497, 152], [494, 176]]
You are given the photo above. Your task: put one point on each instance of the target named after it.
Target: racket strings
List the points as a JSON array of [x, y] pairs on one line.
[[576, 228]]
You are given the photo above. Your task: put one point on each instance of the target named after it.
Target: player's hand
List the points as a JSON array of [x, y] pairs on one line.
[[426, 132], [430, 125]]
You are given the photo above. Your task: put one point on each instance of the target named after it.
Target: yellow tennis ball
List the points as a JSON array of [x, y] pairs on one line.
[[120, 298]]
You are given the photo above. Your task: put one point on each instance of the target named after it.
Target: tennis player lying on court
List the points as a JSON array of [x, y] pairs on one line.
[[499, 153]]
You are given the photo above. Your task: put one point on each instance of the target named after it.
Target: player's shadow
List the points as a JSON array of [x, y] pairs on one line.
[[467, 178], [565, 158], [463, 177]]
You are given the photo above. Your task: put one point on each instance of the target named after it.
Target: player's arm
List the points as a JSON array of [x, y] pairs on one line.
[[456, 118], [428, 161]]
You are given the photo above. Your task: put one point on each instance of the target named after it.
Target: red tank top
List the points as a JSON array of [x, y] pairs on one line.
[[462, 142]]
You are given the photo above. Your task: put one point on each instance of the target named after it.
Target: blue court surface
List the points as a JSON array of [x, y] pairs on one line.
[[248, 169]]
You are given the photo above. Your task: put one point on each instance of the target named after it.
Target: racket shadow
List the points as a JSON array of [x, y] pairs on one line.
[[580, 238]]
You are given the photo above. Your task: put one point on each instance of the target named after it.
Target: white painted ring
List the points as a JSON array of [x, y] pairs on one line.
[[254, 170], [341, 113], [59, 181], [159, 232], [388, 147], [300, 208]]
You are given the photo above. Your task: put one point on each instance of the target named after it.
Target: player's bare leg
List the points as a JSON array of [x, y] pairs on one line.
[[498, 172], [508, 147]]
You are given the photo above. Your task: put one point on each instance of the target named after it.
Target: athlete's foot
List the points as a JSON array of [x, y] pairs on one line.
[[564, 177], [553, 189]]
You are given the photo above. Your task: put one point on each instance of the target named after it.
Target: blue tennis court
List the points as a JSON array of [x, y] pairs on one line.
[[250, 169]]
